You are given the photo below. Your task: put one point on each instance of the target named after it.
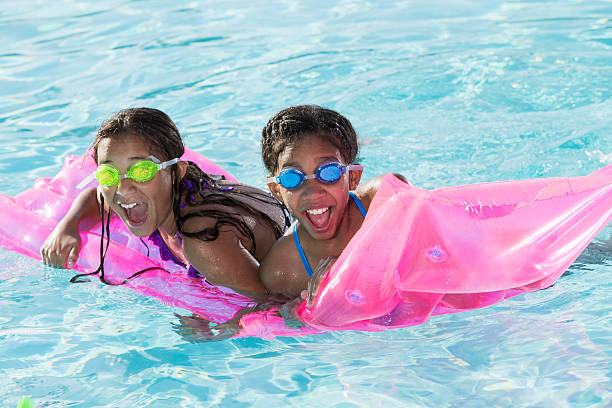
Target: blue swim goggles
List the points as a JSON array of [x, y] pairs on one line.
[[328, 173]]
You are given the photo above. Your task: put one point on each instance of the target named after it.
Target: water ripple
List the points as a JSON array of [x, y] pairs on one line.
[[444, 92]]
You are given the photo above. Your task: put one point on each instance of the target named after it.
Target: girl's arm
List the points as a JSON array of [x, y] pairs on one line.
[[226, 262], [62, 246], [281, 271]]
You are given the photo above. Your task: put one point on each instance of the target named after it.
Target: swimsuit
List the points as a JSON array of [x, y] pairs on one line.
[[297, 240], [167, 255]]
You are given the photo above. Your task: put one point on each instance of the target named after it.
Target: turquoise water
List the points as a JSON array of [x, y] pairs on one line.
[[444, 92]]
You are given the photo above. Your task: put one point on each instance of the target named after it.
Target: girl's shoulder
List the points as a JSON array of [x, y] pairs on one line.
[[366, 191], [281, 270]]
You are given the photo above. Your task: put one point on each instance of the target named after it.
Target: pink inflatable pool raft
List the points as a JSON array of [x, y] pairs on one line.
[[419, 253]]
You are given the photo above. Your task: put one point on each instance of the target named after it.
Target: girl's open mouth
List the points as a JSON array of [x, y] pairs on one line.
[[136, 213], [318, 218]]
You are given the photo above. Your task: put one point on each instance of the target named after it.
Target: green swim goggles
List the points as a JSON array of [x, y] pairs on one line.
[[141, 171]]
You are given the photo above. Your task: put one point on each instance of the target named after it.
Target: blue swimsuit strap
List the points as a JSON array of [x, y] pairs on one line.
[[358, 203], [301, 251], [296, 239]]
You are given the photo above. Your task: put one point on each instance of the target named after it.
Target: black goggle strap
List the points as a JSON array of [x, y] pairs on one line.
[[103, 250], [100, 270], [145, 244]]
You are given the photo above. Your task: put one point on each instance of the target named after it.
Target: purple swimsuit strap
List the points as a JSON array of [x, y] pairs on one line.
[[167, 255]]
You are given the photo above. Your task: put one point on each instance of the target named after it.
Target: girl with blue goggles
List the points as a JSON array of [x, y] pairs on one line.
[[328, 173]]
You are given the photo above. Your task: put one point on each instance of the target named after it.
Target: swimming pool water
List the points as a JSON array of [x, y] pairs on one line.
[[444, 92]]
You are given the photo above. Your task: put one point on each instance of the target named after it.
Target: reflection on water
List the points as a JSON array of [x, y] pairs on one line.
[[445, 93]]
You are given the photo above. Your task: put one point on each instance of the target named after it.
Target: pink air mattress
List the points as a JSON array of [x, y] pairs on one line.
[[419, 253]]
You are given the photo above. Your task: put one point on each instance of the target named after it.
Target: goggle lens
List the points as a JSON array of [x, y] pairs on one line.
[[330, 173], [143, 171], [291, 178], [107, 175]]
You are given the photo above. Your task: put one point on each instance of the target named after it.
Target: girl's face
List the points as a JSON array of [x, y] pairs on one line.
[[320, 208], [143, 206]]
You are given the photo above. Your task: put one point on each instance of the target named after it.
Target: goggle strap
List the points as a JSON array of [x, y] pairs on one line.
[[169, 163], [86, 181]]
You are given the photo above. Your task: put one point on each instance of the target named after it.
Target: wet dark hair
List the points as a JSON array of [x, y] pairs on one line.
[[155, 128], [293, 124], [196, 188]]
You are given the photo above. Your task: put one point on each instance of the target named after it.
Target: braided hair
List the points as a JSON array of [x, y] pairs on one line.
[[293, 124]]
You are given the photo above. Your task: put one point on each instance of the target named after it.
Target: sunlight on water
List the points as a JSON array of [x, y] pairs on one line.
[[446, 93]]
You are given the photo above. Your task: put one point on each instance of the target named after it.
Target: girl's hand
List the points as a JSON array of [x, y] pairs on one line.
[[288, 311], [61, 248], [317, 276], [195, 329]]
